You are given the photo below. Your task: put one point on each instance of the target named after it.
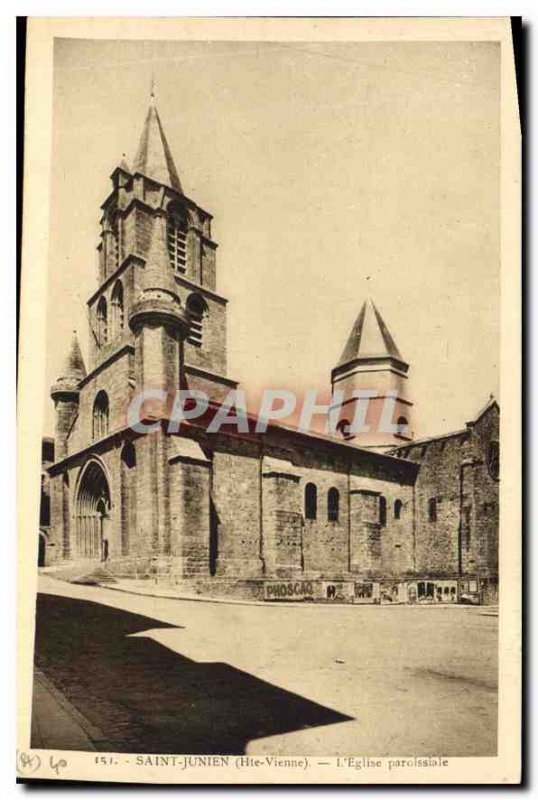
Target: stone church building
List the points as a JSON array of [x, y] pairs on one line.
[[370, 517]]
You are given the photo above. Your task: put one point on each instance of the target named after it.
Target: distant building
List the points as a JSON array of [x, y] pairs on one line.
[[44, 555], [371, 518]]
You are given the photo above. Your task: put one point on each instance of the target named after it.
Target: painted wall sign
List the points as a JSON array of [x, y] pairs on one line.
[[288, 590]]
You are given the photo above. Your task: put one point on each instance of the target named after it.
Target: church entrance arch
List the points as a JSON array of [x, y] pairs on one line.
[[93, 513]]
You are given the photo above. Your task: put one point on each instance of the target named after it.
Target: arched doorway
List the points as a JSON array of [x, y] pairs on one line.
[[93, 514], [41, 550]]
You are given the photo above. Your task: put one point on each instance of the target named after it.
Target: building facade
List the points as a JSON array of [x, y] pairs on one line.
[[365, 517]]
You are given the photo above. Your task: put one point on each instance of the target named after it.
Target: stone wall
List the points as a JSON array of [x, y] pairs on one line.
[[454, 473], [235, 493], [115, 379]]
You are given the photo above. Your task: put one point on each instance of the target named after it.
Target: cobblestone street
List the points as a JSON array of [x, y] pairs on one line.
[[142, 674]]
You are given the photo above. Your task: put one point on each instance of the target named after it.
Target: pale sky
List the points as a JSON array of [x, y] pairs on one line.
[[333, 171]]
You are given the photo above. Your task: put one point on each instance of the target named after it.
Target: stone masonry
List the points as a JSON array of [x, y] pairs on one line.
[[370, 518]]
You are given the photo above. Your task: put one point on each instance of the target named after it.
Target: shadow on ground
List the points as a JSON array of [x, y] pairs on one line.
[[146, 698]]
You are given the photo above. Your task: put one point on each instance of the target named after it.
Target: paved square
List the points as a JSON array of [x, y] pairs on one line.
[[175, 676]]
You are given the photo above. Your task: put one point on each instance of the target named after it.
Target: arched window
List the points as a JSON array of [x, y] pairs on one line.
[[382, 511], [397, 509], [100, 415], [116, 310], [310, 501], [197, 308], [333, 504], [102, 323], [402, 424], [343, 427], [112, 229], [176, 229], [432, 509]]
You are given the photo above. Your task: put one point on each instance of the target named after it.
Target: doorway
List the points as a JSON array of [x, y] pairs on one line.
[[93, 514], [42, 549]]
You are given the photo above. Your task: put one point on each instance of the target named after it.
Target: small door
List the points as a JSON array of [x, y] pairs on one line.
[[41, 550]]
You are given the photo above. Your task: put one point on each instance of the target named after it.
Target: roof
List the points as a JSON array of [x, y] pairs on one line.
[[369, 337], [73, 366], [460, 432], [154, 158], [491, 402]]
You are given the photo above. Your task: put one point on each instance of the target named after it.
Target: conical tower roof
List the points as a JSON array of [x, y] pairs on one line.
[[154, 158], [369, 337], [74, 363], [73, 370]]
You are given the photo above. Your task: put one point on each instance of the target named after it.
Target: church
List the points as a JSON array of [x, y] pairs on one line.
[[288, 514]]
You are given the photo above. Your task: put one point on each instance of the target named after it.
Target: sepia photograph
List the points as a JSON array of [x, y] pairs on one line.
[[276, 445]]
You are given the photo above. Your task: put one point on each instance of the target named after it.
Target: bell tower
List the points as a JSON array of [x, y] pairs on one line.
[[372, 375], [157, 250]]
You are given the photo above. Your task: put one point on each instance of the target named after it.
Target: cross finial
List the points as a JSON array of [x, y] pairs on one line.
[[152, 89]]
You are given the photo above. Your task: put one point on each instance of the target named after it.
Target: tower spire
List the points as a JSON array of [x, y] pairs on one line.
[[369, 337], [154, 158], [65, 392], [73, 370], [372, 365]]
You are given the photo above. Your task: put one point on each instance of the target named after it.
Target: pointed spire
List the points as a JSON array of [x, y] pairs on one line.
[[154, 158], [73, 371], [124, 164], [369, 337], [74, 363]]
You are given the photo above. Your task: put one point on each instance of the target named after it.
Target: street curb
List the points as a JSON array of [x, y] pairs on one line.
[[265, 603], [93, 733], [279, 603]]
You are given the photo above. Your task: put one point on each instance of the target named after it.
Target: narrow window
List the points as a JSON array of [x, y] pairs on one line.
[[310, 501], [113, 244], [100, 415], [117, 309], [402, 425], [116, 243], [177, 238], [432, 509], [197, 309], [493, 460], [382, 511], [102, 323], [397, 509], [333, 504]]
